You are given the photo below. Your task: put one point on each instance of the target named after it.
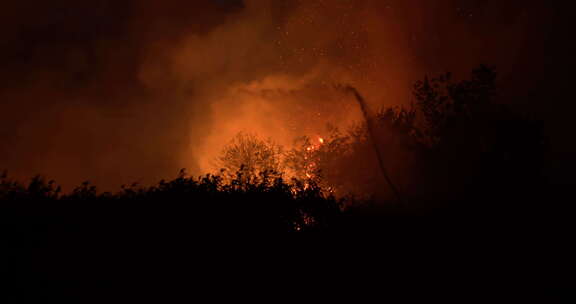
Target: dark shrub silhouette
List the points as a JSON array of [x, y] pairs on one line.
[[457, 146], [466, 166], [456, 149], [260, 202]]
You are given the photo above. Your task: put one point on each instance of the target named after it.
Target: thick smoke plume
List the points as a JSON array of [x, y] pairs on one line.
[[124, 91]]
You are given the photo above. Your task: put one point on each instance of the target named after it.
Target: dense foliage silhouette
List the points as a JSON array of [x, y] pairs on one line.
[[457, 148], [468, 167]]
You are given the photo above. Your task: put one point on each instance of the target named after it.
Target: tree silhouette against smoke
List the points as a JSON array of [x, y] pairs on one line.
[[249, 155], [478, 166], [452, 141], [449, 144], [470, 152], [475, 145]]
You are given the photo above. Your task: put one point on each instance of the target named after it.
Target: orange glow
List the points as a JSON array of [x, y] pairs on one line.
[[286, 89]]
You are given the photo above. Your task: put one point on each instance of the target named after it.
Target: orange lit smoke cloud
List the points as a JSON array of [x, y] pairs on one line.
[[122, 91], [271, 70]]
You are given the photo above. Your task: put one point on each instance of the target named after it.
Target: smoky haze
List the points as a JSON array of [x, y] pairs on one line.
[[121, 91]]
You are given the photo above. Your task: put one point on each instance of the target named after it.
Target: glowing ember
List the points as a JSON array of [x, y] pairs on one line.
[[321, 140]]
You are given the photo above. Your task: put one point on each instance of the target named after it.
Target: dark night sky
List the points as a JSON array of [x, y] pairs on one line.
[[74, 105]]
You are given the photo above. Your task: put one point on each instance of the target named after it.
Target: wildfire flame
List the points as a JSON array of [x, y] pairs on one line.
[[311, 167]]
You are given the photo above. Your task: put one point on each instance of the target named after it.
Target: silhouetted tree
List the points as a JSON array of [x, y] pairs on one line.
[[249, 155]]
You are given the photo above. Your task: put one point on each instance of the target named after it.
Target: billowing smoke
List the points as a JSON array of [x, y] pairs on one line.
[[122, 91]]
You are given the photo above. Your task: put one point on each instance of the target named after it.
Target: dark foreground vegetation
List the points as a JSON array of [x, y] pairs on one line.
[[478, 171]]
